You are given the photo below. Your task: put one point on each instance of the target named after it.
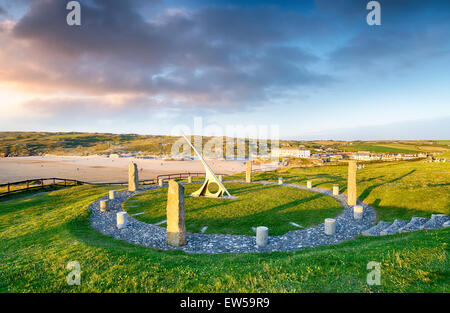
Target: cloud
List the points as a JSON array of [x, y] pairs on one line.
[[209, 57]]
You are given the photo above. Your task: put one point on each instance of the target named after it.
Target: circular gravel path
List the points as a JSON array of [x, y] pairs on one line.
[[152, 236]]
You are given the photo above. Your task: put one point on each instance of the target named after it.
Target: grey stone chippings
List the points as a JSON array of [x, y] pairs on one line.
[[394, 227], [148, 235], [375, 230], [436, 221], [416, 223]]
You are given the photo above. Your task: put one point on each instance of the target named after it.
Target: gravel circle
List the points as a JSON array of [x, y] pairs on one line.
[[152, 236]]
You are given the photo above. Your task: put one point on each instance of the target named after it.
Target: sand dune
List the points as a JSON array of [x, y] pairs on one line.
[[102, 169]]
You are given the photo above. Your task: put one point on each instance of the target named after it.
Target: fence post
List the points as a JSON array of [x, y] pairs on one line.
[[28, 184], [65, 182], [9, 189], [54, 181], [42, 183]]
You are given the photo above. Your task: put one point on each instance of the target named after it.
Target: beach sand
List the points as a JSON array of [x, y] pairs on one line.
[[102, 169]]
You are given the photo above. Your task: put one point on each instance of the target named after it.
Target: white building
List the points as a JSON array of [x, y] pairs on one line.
[[295, 153]]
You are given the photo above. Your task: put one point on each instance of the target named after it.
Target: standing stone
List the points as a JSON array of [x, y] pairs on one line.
[[351, 183], [358, 212], [335, 190], [176, 230], [161, 182], [133, 180], [330, 226], [262, 236], [309, 184], [248, 172], [280, 180], [189, 179], [103, 205], [112, 194], [121, 219], [220, 178]]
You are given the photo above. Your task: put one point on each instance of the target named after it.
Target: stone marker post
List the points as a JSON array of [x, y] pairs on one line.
[[262, 236], [335, 190], [103, 205], [309, 184], [133, 179], [330, 226], [176, 230], [121, 219], [351, 183], [280, 180], [248, 172], [189, 179], [358, 211], [161, 182], [112, 194]]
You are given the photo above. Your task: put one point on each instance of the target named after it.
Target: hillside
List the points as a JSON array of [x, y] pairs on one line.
[[59, 143]]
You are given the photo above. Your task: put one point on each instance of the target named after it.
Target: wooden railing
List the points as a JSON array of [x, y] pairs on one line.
[[31, 184], [36, 183]]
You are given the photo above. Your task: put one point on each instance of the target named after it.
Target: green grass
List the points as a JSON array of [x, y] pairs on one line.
[[394, 189], [39, 235], [255, 205]]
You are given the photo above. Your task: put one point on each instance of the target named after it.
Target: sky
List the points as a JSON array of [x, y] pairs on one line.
[[314, 68]]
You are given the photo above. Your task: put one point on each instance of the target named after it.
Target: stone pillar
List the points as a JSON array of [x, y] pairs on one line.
[[330, 226], [280, 180], [248, 172], [112, 194], [103, 205], [122, 219], [262, 236], [176, 230], [220, 178], [351, 183], [133, 180], [161, 182], [335, 190], [358, 212], [309, 184], [189, 179]]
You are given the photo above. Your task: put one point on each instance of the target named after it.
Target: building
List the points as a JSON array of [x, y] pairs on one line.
[[295, 153]]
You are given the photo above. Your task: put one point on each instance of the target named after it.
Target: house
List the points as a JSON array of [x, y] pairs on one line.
[[296, 153]]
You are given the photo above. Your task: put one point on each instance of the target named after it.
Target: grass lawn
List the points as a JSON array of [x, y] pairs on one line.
[[255, 205], [40, 234], [394, 189]]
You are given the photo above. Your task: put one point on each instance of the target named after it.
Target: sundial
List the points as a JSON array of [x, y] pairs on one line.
[[210, 179]]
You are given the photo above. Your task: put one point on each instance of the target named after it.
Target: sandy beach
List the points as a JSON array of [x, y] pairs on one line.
[[102, 169]]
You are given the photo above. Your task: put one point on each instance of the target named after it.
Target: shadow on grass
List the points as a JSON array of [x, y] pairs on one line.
[[368, 190]]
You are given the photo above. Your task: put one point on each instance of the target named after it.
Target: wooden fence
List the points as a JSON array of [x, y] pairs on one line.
[[37, 183]]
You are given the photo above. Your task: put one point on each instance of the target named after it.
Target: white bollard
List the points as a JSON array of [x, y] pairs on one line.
[[189, 179], [309, 184], [358, 212], [335, 190], [122, 219], [103, 205], [280, 180], [161, 182], [330, 226], [262, 236], [112, 194]]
